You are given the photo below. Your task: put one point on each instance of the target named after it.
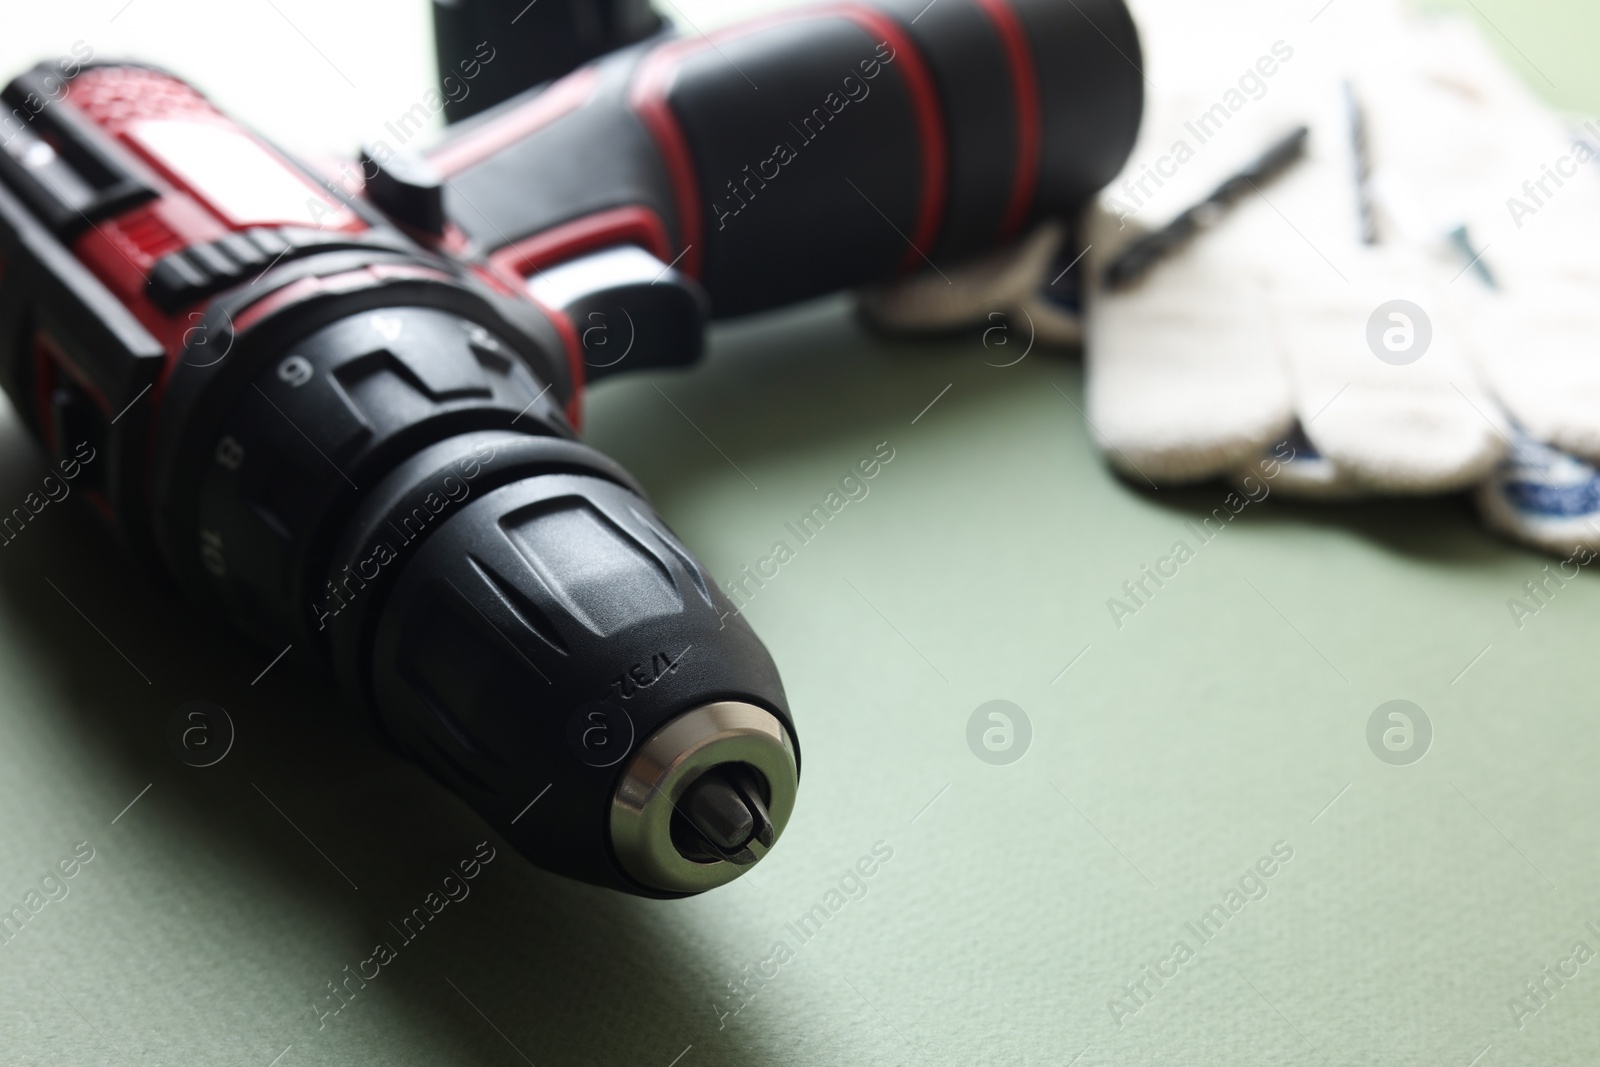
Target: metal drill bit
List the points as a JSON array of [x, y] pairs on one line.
[[1134, 261], [1361, 161], [1462, 240], [724, 811]]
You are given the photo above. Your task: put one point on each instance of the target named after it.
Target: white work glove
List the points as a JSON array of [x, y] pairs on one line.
[[1518, 177], [1218, 353], [1259, 340]]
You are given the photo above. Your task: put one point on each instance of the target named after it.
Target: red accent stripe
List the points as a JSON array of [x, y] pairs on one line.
[[574, 347], [1025, 91], [654, 80], [562, 98], [930, 127], [603, 229], [648, 95]]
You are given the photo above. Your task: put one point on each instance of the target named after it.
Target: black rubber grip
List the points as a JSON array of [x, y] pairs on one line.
[[813, 150]]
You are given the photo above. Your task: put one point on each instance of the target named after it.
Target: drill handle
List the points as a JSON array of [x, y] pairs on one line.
[[806, 152]]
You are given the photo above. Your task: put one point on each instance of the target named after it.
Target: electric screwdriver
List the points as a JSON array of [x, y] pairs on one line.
[[341, 410]]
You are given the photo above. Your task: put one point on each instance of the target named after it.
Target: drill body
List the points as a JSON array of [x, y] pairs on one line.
[[341, 411]]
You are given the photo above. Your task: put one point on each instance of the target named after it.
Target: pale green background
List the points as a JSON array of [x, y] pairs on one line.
[[1173, 753]]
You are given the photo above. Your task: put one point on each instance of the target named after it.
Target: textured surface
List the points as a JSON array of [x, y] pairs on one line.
[[1227, 714]]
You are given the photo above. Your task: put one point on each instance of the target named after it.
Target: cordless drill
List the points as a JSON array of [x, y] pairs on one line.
[[341, 412]]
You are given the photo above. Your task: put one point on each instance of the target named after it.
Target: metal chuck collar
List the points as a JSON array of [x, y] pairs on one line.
[[705, 798]]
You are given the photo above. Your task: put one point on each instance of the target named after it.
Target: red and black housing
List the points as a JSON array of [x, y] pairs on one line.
[[341, 411], [812, 150], [350, 435]]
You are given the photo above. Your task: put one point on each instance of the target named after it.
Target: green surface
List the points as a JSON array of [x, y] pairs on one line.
[[1548, 42], [1227, 715]]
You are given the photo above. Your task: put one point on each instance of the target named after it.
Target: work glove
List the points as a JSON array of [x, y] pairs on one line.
[[1278, 343]]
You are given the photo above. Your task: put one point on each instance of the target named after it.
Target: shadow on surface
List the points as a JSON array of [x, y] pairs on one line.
[[1438, 529], [569, 974], [810, 376], [112, 655]]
